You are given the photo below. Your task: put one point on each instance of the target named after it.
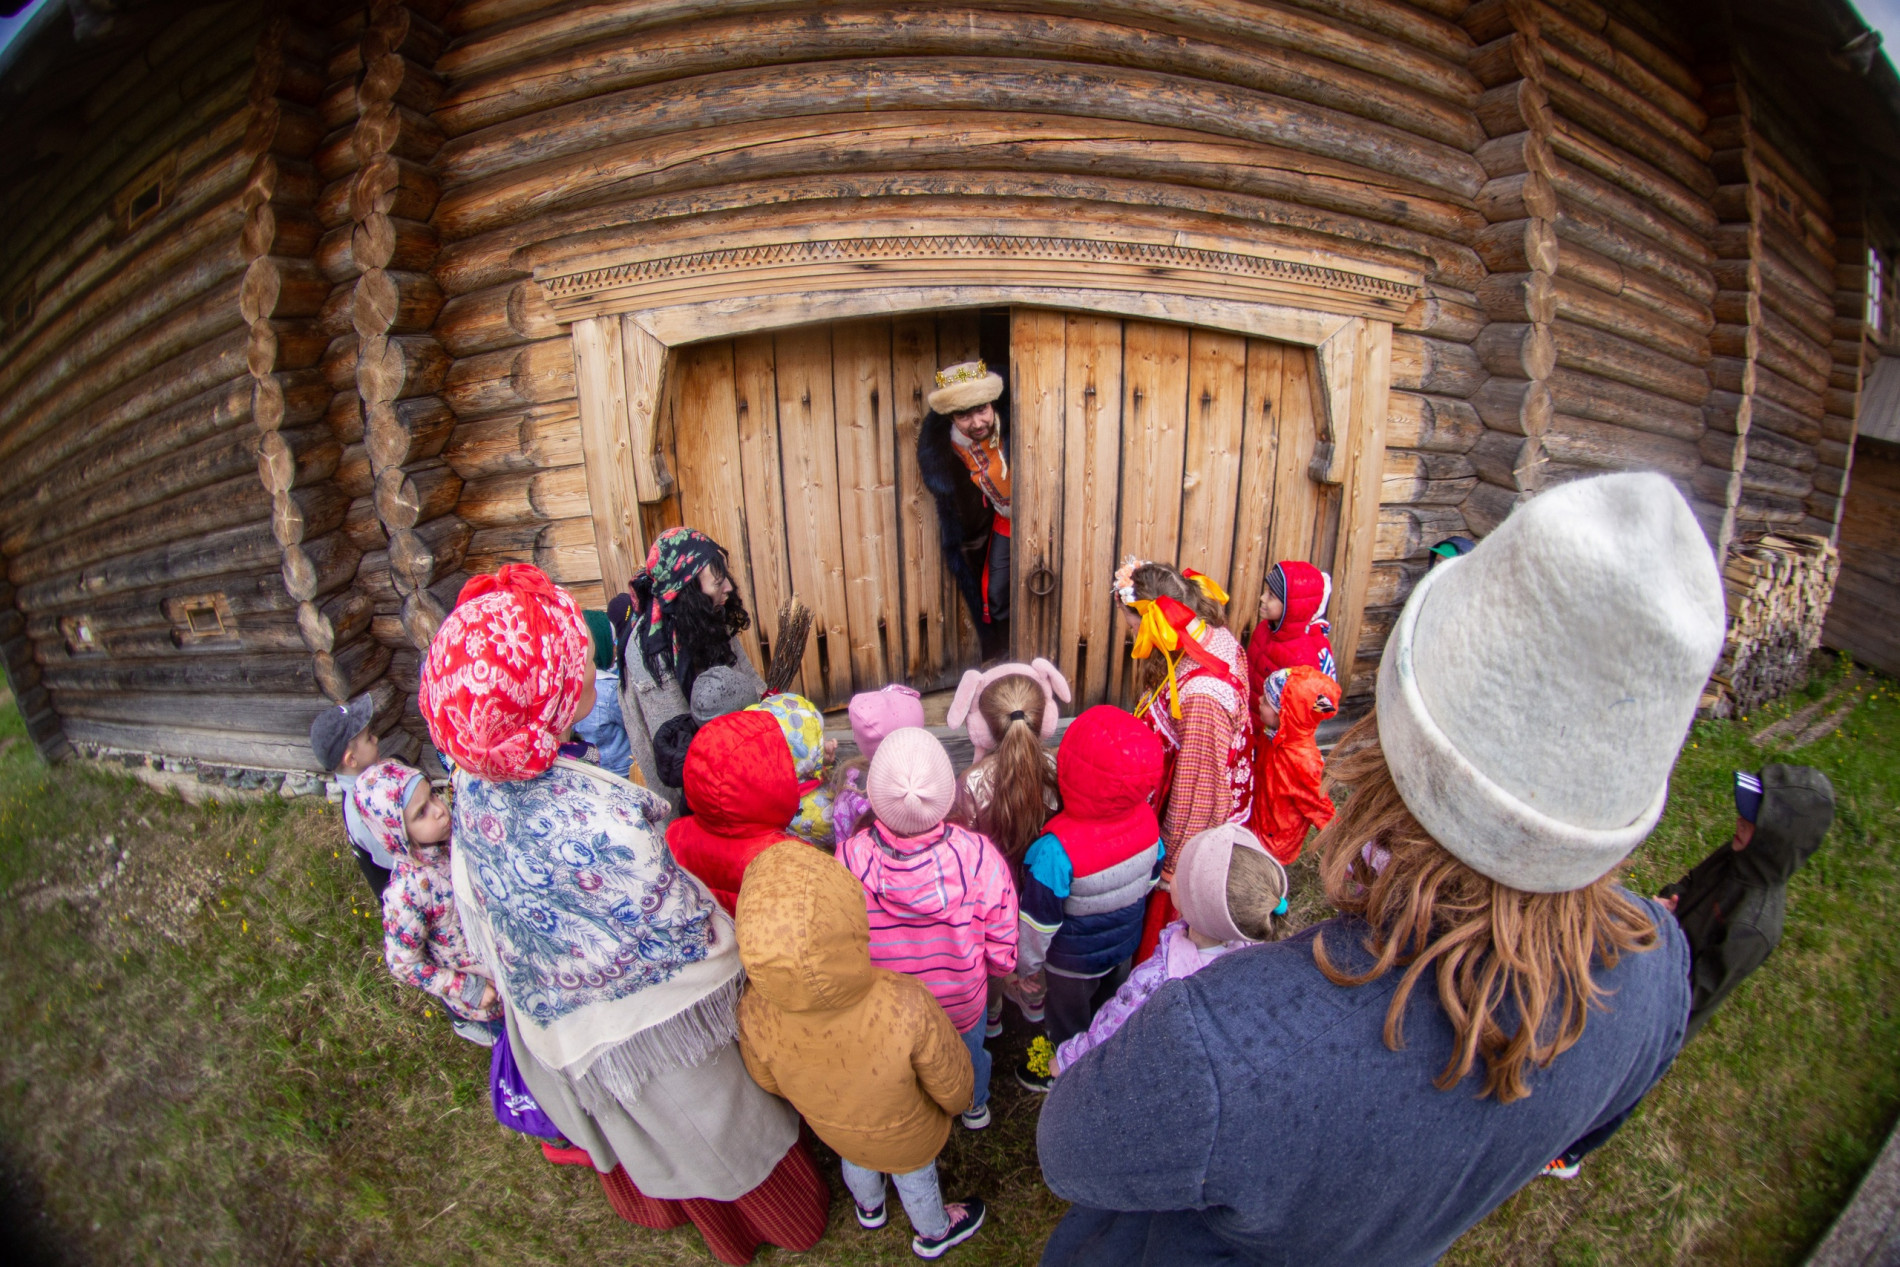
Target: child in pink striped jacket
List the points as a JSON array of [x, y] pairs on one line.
[[941, 902]]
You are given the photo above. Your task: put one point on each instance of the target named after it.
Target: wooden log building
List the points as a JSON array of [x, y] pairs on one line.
[[314, 309]]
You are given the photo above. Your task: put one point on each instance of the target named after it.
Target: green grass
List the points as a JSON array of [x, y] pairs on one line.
[[202, 1058]]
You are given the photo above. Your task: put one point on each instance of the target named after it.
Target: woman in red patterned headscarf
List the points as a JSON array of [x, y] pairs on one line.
[[618, 973]]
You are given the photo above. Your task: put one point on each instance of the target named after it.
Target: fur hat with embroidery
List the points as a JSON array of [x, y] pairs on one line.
[[1534, 693], [963, 708], [964, 386]]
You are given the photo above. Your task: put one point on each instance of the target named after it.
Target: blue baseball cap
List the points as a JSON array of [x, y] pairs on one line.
[[1747, 795]]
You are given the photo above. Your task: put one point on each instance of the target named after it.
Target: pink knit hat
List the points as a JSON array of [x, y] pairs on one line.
[[912, 785], [1200, 880], [875, 714], [970, 689]]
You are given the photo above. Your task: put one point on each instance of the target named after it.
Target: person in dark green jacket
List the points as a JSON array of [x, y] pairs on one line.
[[1732, 906]]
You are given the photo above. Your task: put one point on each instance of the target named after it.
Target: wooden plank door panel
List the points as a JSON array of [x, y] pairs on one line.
[[958, 340], [1038, 349], [708, 454], [1091, 485], [867, 507], [1154, 454], [1258, 495], [929, 628], [755, 402], [808, 456], [1216, 450]]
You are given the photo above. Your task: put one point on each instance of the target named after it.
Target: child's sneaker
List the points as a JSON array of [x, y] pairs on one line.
[[1034, 1073], [965, 1217], [475, 1032], [871, 1220], [1561, 1169], [1032, 1012], [975, 1119], [1029, 1080], [993, 1020]]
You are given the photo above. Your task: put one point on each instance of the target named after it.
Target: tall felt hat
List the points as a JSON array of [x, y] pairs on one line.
[[1534, 693], [964, 386]]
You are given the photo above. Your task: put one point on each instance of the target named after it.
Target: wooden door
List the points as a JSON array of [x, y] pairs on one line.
[[1177, 444], [797, 451]]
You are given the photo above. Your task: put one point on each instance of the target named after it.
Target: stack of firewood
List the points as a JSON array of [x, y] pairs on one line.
[[1778, 589]]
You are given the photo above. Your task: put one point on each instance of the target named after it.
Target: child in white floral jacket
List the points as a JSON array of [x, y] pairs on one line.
[[423, 942]]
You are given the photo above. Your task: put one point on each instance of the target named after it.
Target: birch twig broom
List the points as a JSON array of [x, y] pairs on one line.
[[788, 646]]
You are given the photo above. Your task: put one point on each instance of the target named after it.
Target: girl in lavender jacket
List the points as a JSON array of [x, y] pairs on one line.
[[1230, 893]]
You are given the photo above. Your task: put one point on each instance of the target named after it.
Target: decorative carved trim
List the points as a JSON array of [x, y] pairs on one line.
[[850, 263]]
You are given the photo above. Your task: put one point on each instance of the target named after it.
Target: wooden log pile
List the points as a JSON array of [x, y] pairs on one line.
[[1778, 592]]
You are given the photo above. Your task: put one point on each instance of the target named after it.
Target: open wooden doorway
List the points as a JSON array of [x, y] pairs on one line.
[[797, 450], [1175, 443]]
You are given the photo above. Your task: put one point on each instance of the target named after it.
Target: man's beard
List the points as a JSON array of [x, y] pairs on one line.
[[703, 631]]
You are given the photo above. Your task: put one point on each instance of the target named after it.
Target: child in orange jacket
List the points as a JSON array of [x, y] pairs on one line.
[[1288, 797]]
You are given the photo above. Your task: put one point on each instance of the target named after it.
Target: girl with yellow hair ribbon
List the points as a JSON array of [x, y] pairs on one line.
[[1195, 700]]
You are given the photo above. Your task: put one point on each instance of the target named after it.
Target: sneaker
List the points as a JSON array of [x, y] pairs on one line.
[[993, 1019], [1029, 1080], [1032, 1012], [475, 1032], [977, 1118], [871, 1220], [965, 1217], [1560, 1169]]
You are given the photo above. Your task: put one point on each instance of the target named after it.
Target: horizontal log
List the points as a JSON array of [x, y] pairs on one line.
[[1518, 246], [162, 457], [1513, 154], [274, 634], [1516, 350], [277, 287], [1512, 405], [498, 317], [603, 136], [1783, 451], [284, 345], [319, 566], [1722, 451], [1797, 370], [406, 431], [339, 363], [384, 241], [1585, 442], [1584, 225], [496, 382], [1416, 478], [1440, 316], [1487, 507], [1517, 106], [353, 472], [341, 619], [1596, 351], [405, 498], [364, 527], [1829, 453], [1586, 305], [1506, 460], [1407, 532], [335, 317], [1518, 297], [226, 504], [1391, 582], [1839, 427], [560, 493], [389, 302], [307, 512], [345, 674], [293, 459], [541, 436], [1583, 394], [1616, 148], [281, 712], [1762, 477], [1435, 366], [1525, 196], [255, 597], [1772, 415], [1766, 510], [1577, 186], [1437, 424], [421, 556], [242, 549], [1278, 56], [1786, 392], [1581, 264], [400, 367], [1583, 56], [1732, 374], [289, 399]]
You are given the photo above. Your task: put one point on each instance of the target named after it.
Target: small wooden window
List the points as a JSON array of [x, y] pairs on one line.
[[79, 635], [200, 618], [145, 195]]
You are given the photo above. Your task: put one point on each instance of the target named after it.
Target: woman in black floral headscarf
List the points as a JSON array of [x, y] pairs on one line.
[[685, 618]]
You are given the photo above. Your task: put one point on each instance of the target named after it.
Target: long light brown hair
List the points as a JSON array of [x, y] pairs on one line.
[[1501, 957], [1155, 580], [1020, 780]]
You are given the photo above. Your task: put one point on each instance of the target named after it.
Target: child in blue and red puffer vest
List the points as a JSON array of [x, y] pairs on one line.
[[1086, 880]]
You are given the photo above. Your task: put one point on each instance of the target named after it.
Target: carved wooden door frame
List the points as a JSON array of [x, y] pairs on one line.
[[628, 310]]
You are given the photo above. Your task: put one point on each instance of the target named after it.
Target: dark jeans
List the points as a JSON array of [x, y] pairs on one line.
[[377, 877], [1073, 1001], [999, 577], [1597, 1138]]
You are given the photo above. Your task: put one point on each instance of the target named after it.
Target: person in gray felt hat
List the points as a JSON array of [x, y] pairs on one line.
[[345, 746]]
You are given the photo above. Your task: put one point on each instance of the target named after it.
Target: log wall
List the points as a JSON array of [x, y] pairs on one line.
[[1343, 128], [1865, 618], [164, 368]]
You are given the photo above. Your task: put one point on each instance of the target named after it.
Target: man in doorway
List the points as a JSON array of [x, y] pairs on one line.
[[963, 457]]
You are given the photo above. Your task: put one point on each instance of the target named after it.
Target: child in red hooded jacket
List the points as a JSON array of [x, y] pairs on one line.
[[741, 783], [1288, 797], [1293, 627]]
